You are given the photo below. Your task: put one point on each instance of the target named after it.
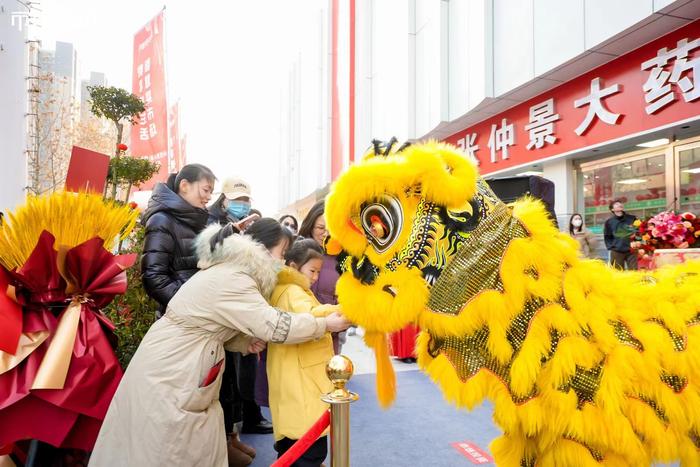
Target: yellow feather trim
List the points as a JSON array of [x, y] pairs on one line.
[[386, 378]]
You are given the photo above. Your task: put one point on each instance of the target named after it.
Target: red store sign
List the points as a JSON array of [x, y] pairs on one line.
[[649, 88]]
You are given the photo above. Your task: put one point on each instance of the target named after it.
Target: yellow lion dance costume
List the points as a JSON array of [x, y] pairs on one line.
[[585, 365]]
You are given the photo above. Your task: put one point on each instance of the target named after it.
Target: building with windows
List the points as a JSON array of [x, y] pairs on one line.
[[597, 96], [15, 87], [96, 79]]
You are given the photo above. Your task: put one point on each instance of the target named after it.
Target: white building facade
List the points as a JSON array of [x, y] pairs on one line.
[[441, 68], [14, 101]]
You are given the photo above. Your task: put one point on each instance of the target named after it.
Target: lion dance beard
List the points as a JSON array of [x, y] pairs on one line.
[[585, 365]]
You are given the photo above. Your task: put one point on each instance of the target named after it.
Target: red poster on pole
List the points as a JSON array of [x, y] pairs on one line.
[[174, 160], [87, 171], [149, 137]]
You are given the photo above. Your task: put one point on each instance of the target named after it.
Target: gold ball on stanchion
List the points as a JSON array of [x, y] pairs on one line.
[[339, 370]]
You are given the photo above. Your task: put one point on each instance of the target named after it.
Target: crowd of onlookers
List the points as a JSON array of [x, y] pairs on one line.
[[616, 235], [247, 316]]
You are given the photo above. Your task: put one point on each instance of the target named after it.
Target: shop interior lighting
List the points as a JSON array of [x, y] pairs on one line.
[[654, 143], [696, 170], [632, 181], [528, 173]]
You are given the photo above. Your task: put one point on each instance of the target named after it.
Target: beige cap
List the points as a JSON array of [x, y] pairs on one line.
[[235, 188]]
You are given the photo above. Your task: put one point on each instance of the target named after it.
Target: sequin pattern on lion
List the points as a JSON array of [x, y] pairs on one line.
[[585, 365]]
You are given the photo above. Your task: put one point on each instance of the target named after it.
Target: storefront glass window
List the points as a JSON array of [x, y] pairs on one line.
[[689, 163], [639, 184]]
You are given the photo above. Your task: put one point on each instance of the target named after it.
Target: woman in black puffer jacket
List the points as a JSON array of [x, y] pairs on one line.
[[176, 213]]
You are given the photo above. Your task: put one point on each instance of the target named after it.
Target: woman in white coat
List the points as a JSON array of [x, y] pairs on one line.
[[166, 410]]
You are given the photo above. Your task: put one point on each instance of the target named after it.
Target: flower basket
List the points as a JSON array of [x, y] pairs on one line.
[[664, 231]]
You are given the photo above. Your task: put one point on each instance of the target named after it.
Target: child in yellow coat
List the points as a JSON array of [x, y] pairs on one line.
[[296, 373]]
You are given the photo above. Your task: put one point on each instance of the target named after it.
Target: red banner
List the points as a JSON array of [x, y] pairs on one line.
[[183, 150], [174, 157], [87, 171], [149, 138], [650, 88]]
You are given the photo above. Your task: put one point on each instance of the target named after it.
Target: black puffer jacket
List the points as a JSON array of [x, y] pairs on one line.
[[168, 258]]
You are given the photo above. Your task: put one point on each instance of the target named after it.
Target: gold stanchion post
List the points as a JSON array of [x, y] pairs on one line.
[[339, 370]]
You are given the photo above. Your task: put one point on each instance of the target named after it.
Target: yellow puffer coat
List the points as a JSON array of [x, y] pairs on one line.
[[297, 373]]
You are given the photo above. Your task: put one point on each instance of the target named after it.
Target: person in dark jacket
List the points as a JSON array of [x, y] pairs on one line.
[[176, 213], [237, 393], [617, 233]]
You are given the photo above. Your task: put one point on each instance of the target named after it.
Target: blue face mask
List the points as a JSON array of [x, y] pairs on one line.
[[238, 209]]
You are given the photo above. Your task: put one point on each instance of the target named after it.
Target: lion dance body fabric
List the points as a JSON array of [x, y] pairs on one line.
[[585, 365]]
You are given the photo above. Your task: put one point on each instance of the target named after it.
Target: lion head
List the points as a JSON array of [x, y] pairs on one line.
[[400, 215]]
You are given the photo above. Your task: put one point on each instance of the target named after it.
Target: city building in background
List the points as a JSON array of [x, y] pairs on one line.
[[96, 79], [304, 123], [597, 96], [57, 116], [17, 70]]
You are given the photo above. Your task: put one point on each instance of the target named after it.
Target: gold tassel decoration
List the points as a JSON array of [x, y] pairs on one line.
[[72, 218], [386, 378]]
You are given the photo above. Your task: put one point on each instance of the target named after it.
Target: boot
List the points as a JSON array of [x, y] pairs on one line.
[[240, 445], [236, 457]]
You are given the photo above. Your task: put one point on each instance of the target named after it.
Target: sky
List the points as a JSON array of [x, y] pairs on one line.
[[227, 63]]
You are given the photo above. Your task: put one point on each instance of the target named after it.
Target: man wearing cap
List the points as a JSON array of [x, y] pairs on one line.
[[237, 393]]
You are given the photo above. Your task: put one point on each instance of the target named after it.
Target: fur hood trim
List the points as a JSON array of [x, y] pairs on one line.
[[290, 276], [242, 251]]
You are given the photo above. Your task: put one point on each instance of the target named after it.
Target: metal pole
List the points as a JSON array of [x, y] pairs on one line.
[[339, 370], [340, 434], [33, 450]]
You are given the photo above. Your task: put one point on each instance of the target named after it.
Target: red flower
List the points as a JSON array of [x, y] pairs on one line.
[[133, 205], [122, 147]]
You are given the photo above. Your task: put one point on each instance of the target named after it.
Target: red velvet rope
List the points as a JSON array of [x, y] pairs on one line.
[[305, 442]]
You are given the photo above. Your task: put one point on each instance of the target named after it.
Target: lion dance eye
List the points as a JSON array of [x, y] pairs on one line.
[[382, 221]]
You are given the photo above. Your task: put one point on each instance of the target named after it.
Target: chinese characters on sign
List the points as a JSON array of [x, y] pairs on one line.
[[467, 145], [658, 89], [541, 126], [149, 128], [596, 108], [501, 138], [472, 452]]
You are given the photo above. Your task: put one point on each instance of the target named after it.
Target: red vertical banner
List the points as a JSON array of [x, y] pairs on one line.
[[336, 134], [174, 159], [351, 104], [183, 150], [149, 137]]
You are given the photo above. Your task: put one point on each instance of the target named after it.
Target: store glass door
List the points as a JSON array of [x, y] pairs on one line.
[[688, 160], [639, 182]]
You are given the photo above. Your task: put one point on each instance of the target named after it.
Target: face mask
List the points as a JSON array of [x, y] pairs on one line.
[[238, 209], [577, 222]]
